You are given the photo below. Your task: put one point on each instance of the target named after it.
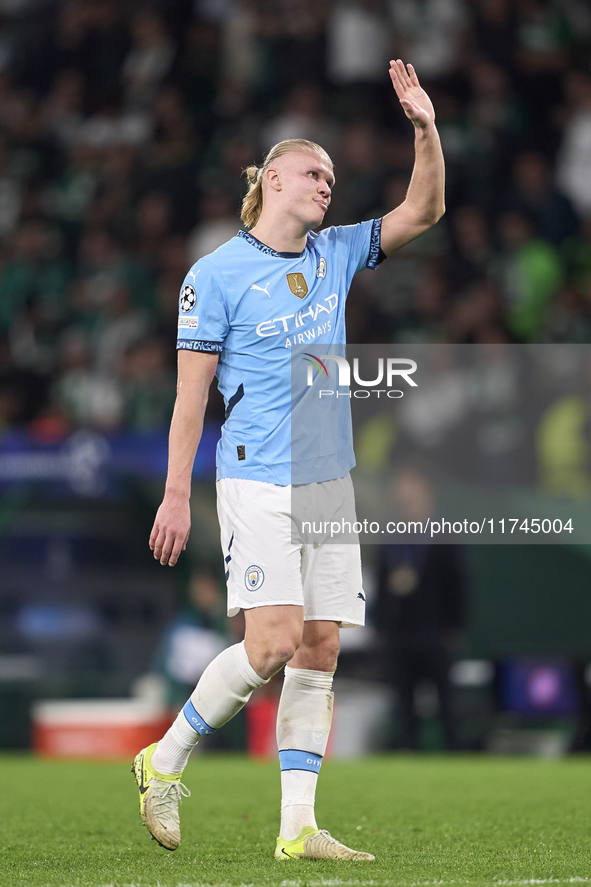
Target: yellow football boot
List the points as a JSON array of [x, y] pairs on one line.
[[160, 796], [313, 843]]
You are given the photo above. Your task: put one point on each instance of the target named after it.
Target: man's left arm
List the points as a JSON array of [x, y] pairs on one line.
[[425, 199]]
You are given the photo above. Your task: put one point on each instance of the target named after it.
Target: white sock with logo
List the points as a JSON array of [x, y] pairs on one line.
[[303, 725], [223, 689]]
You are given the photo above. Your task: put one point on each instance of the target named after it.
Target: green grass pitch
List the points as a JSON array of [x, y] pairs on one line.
[[430, 820]]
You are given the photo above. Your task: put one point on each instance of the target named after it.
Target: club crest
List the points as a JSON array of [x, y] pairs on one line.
[[254, 578]]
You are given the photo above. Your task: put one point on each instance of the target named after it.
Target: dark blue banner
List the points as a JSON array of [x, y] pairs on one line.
[[87, 463]]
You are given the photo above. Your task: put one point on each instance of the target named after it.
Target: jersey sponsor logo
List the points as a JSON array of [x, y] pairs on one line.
[[297, 284], [282, 324], [308, 335], [253, 286], [321, 270], [188, 298], [189, 322], [254, 578]]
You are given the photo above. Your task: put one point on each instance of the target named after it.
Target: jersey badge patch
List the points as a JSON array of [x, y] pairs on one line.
[[321, 270], [188, 298], [297, 284], [254, 578], [190, 323]]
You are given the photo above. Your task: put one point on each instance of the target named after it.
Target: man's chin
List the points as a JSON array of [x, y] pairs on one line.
[[316, 220]]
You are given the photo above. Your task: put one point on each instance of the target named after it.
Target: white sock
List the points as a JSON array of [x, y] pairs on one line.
[[223, 689], [303, 725]]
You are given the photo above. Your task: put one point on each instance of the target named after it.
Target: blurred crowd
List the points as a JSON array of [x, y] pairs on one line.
[[125, 127]]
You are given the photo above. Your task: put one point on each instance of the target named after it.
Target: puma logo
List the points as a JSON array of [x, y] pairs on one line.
[[253, 286]]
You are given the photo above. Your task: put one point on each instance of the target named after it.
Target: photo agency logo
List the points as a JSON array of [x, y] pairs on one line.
[[390, 371]]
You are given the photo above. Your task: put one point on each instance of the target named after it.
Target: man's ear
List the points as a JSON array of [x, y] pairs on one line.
[[273, 177]]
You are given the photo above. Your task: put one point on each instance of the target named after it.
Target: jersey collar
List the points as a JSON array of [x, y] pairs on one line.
[[267, 249]]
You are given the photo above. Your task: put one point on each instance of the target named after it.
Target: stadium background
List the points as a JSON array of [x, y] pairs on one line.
[[124, 128]]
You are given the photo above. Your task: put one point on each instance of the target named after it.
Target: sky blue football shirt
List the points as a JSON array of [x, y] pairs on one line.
[[257, 308]]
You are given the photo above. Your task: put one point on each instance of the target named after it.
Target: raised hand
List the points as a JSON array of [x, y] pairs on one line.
[[413, 98]]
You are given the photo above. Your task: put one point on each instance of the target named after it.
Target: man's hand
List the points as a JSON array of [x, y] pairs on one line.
[[171, 529], [413, 98]]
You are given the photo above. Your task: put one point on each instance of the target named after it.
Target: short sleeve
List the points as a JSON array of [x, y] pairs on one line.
[[203, 317], [362, 242]]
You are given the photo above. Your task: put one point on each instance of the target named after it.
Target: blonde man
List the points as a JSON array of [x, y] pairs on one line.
[[242, 310]]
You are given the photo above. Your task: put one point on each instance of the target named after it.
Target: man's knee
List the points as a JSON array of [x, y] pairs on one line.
[[332, 652], [273, 635], [327, 654], [273, 655], [319, 653]]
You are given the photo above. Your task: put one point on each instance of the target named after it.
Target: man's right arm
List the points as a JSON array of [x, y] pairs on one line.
[[171, 528]]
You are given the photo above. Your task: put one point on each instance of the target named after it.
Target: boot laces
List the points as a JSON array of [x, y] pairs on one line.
[[169, 795], [328, 836]]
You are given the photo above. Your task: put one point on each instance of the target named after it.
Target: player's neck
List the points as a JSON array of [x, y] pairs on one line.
[[282, 236]]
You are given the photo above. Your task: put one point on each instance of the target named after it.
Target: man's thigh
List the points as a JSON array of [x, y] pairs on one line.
[[273, 625]]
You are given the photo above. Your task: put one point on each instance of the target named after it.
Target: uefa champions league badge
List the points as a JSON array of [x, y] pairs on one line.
[[254, 578], [188, 298]]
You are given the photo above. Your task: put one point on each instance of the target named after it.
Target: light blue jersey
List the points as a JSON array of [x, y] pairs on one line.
[[254, 306]]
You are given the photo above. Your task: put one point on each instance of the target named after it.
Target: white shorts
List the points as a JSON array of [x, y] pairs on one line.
[[266, 567]]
